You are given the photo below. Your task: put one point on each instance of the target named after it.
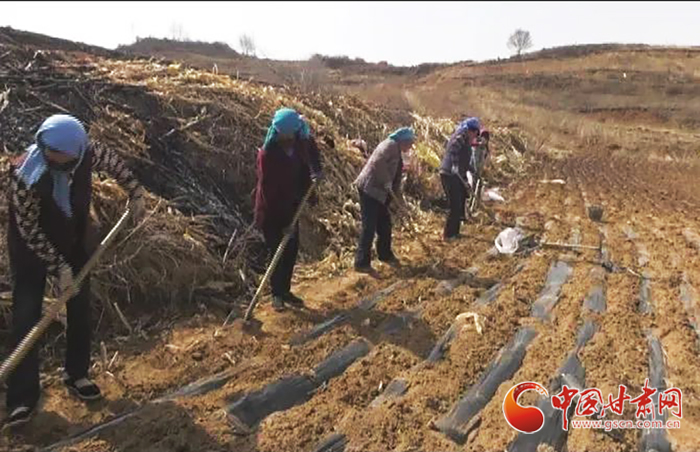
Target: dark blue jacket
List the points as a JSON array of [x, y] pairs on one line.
[[457, 152]]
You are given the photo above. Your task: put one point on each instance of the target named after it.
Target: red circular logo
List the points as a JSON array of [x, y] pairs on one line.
[[525, 419]]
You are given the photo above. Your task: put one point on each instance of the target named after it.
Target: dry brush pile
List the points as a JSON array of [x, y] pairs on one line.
[[191, 137]]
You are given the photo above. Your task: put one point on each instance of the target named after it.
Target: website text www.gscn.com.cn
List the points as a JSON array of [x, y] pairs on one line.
[[652, 407], [609, 425]]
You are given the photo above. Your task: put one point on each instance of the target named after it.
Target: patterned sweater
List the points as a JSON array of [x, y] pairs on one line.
[[458, 153], [38, 229]]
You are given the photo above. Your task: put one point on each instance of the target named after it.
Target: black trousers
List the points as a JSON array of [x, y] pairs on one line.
[[456, 197], [27, 299], [281, 278], [376, 219]]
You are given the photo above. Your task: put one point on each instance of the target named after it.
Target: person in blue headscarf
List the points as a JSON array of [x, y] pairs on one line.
[[288, 161], [378, 182], [51, 190], [456, 162]]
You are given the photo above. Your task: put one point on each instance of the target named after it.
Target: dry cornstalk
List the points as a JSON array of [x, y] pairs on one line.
[[229, 358], [228, 247], [463, 317], [111, 361], [122, 318], [193, 344]]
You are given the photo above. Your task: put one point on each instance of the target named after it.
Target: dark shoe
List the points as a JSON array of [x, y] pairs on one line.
[[364, 269], [453, 238], [83, 388], [278, 303], [19, 416], [292, 299], [393, 261]]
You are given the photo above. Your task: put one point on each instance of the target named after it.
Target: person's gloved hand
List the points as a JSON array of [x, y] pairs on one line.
[[137, 204], [470, 179], [455, 170], [65, 280]]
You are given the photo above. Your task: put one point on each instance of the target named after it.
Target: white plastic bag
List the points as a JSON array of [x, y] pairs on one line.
[[508, 240], [492, 195], [553, 181]]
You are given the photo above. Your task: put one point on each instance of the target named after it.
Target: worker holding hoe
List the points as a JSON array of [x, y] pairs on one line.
[[50, 195], [456, 163], [378, 182], [288, 162]]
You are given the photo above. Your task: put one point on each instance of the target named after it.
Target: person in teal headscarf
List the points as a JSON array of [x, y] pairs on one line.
[[288, 162], [378, 182], [286, 125]]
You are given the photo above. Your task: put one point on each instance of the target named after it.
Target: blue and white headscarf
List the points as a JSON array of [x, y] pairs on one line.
[[61, 133]]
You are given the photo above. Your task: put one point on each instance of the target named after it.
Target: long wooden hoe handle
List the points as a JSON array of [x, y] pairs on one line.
[[276, 257], [35, 333]]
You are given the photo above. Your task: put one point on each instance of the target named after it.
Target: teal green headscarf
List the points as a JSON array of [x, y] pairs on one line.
[[286, 121], [403, 134]]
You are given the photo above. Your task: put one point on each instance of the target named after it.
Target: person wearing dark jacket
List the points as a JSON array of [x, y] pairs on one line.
[[456, 162], [380, 176], [287, 163], [50, 195]]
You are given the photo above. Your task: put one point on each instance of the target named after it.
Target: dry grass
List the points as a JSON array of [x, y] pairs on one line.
[[622, 100], [678, 61]]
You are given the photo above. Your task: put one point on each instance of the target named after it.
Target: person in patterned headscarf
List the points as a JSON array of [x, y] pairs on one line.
[[50, 195]]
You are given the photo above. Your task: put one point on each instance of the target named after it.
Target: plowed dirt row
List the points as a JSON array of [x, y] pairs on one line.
[[671, 258], [635, 198], [617, 352]]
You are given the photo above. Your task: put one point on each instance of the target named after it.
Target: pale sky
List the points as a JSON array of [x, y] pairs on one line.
[[402, 33]]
